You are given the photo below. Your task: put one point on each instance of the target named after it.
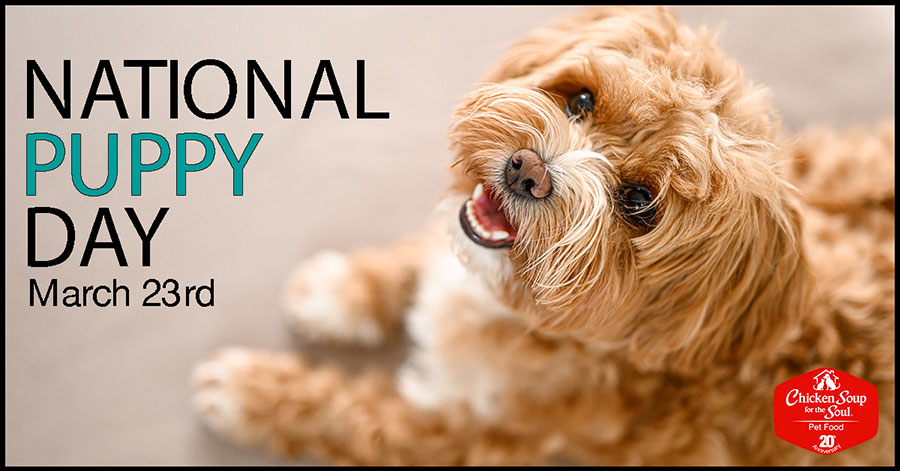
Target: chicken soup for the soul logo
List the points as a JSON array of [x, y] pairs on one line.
[[826, 411]]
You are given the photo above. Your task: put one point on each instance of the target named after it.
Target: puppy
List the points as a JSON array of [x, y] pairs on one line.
[[621, 272]]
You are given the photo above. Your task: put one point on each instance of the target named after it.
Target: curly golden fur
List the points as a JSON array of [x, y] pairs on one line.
[[594, 339]]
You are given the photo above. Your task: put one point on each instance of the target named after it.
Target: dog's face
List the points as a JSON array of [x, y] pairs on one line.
[[616, 181]]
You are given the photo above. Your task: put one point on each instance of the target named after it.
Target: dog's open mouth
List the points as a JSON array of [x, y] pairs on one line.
[[484, 222]]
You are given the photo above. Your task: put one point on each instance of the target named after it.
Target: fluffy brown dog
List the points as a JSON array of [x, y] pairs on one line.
[[621, 272]]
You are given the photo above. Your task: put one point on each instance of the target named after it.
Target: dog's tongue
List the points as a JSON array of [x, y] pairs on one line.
[[487, 210], [484, 222]]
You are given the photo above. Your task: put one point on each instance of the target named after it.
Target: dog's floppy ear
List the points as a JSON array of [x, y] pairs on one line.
[[544, 45], [748, 289], [767, 296]]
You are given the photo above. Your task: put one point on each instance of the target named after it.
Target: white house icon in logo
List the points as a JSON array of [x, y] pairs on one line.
[[826, 380]]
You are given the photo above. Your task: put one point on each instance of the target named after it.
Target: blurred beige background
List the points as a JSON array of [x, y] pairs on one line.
[[110, 386]]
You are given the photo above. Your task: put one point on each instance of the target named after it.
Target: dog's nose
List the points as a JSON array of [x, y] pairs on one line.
[[526, 174]]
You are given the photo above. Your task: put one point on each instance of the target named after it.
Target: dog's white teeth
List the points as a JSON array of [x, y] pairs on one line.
[[476, 225], [479, 190], [482, 232], [499, 235]]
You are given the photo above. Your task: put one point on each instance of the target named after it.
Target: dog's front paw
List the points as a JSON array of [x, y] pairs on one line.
[[258, 399], [327, 301], [218, 395]]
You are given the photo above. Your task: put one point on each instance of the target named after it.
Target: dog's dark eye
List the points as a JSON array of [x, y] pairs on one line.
[[580, 105], [635, 204]]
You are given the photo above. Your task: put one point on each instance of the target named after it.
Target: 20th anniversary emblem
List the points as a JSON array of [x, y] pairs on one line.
[[826, 411]]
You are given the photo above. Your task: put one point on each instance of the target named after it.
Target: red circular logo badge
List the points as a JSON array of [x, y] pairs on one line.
[[826, 411]]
